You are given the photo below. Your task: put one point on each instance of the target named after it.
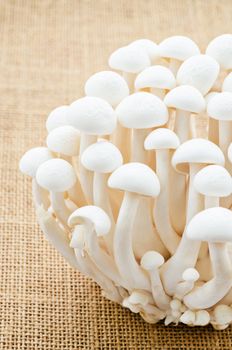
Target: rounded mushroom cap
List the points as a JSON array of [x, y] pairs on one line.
[[209, 96], [92, 115], [136, 178], [109, 86], [230, 153], [220, 48], [161, 139], [56, 175], [211, 225], [151, 260], [151, 48], [142, 110], [129, 59], [223, 314], [138, 297], [32, 159], [213, 181], [178, 47], [93, 214], [227, 83], [220, 106], [57, 117], [159, 77], [198, 151], [190, 275], [64, 140], [186, 98], [102, 157], [200, 71]]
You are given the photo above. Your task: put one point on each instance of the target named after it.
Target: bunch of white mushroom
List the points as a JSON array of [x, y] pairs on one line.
[[129, 192]]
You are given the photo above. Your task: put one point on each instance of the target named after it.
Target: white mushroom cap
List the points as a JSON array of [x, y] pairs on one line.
[[93, 214], [211, 225], [151, 260], [102, 157], [138, 297], [220, 48], [92, 115], [109, 86], [209, 96], [199, 151], [223, 314], [64, 140], [227, 83], [151, 48], [129, 59], [136, 178], [200, 71], [142, 110], [78, 236], [32, 159], [230, 152], [220, 106], [57, 117], [56, 175], [186, 98], [159, 77], [161, 139], [190, 275], [202, 318], [213, 181], [178, 47]]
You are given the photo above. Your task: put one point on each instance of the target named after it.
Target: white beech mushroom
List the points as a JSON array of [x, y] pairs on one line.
[[213, 225], [222, 316], [94, 117], [189, 277], [177, 49], [102, 158], [28, 165], [141, 111], [149, 46], [189, 157], [220, 48], [137, 180], [97, 224], [163, 141], [151, 261], [57, 176], [57, 117], [227, 83], [158, 79]]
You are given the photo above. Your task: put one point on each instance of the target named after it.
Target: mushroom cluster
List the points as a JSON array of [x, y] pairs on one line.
[[129, 191]]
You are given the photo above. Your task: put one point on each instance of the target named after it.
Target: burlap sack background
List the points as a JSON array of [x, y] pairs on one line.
[[48, 49]]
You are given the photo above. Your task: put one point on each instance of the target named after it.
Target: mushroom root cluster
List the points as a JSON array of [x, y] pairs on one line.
[[133, 193]]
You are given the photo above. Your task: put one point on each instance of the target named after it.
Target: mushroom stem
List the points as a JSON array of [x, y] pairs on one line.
[[122, 139], [188, 250], [161, 299], [214, 290], [183, 288], [130, 78], [213, 134], [161, 209], [138, 152], [128, 267], [40, 195], [174, 65], [59, 207], [211, 202], [158, 92], [182, 121]]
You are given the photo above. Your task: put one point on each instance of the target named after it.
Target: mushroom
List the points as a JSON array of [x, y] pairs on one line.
[[177, 49], [137, 180], [185, 99], [130, 60], [163, 141], [28, 165], [57, 176], [189, 157], [149, 46], [213, 134], [151, 261], [157, 78], [222, 316], [220, 48], [141, 111], [93, 116], [97, 224], [189, 276], [213, 225], [102, 158], [57, 117], [227, 83]]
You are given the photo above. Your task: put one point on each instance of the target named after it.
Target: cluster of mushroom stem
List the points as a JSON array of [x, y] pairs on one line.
[[131, 195]]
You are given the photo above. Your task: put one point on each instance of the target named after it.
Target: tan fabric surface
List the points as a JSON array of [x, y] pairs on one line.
[[48, 49]]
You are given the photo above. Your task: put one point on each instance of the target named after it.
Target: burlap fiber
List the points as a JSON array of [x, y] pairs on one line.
[[48, 48]]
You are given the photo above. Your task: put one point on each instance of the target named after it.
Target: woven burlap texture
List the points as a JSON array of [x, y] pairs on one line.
[[48, 49]]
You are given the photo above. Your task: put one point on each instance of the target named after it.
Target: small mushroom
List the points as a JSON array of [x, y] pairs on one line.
[[213, 225], [57, 118], [149, 46], [222, 315], [189, 276], [220, 48]]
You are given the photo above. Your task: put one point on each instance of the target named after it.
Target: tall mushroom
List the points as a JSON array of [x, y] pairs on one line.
[[94, 117], [163, 141], [213, 225], [137, 180], [190, 157]]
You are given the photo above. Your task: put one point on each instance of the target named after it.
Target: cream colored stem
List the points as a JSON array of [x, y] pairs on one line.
[[138, 152], [174, 65], [181, 128], [158, 92], [159, 295], [60, 208], [161, 209], [40, 195], [130, 79], [183, 288], [128, 267], [122, 140], [213, 134]]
